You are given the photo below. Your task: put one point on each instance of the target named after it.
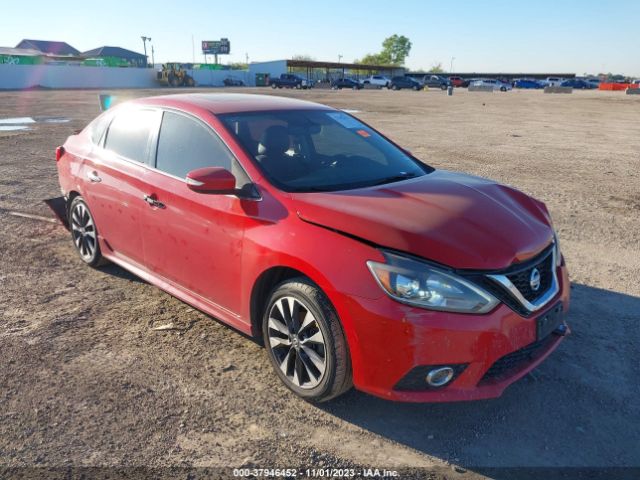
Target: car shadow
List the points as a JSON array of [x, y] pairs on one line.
[[574, 410], [119, 272]]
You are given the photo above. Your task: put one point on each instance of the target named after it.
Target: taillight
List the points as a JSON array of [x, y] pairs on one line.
[[59, 153]]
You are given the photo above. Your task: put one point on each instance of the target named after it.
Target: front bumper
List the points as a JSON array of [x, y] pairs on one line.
[[388, 340]]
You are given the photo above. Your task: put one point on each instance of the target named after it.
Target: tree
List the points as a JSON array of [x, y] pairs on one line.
[[304, 57], [238, 66], [436, 68], [395, 49], [372, 59]]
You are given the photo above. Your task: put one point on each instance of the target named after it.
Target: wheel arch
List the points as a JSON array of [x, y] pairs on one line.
[[263, 285]]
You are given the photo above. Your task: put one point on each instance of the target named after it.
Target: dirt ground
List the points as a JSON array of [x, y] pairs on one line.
[[86, 381]]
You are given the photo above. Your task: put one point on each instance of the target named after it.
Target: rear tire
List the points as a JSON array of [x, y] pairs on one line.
[[274, 86], [305, 342], [84, 233]]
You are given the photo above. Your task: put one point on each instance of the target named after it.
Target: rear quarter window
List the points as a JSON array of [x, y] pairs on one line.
[[98, 127], [129, 133]]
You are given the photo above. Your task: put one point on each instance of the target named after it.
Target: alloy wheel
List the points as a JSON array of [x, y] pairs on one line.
[[84, 231], [296, 342]]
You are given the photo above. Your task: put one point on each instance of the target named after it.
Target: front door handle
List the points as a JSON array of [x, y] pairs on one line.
[[94, 177], [151, 200]]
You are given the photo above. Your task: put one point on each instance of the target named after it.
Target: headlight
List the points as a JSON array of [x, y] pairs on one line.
[[556, 246], [416, 283]]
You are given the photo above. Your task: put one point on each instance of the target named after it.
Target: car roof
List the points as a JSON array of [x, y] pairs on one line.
[[220, 103]]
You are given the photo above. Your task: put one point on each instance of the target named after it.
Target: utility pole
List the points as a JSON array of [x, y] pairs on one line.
[[451, 66], [339, 58], [144, 43], [153, 58], [246, 58]]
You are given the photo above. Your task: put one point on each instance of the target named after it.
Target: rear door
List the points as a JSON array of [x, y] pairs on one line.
[[194, 239], [115, 172]]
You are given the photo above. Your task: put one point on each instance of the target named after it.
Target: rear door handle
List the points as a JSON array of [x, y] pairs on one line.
[[150, 199], [94, 177]]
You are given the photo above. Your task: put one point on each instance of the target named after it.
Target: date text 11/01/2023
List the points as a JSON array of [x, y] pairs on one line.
[[315, 472]]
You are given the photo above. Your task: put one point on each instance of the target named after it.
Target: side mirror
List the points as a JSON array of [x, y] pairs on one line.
[[211, 180]]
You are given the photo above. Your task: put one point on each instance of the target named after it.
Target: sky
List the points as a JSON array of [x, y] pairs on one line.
[[563, 36]]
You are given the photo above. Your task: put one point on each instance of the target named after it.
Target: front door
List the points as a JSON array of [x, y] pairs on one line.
[[193, 239]]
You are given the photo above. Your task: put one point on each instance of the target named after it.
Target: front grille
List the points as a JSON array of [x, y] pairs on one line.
[[501, 294], [513, 362], [520, 276], [522, 279]]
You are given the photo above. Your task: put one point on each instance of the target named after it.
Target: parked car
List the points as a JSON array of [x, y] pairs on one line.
[[377, 80], [459, 82], [435, 81], [233, 82], [553, 81], [298, 224], [577, 83], [400, 82], [527, 83], [341, 83], [290, 80], [497, 85], [594, 82]]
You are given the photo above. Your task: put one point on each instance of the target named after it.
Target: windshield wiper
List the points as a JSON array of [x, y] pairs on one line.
[[395, 178]]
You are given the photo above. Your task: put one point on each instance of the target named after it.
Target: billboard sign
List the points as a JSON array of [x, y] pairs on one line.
[[216, 47]]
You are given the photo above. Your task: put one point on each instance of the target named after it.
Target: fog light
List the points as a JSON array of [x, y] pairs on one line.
[[439, 376]]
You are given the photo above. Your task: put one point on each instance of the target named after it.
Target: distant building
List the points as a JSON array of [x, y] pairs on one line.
[[20, 56], [47, 47], [114, 57]]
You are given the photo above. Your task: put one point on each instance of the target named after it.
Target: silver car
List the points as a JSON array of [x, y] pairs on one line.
[[497, 85]]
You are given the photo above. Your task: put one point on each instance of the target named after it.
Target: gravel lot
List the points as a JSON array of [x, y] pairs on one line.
[[86, 381]]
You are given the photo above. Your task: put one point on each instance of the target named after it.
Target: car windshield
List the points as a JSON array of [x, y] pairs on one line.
[[320, 150]]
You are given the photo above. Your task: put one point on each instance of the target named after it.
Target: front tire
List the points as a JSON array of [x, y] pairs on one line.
[[305, 341], [84, 233]]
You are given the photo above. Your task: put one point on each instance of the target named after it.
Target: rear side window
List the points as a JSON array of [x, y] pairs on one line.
[[186, 144], [129, 133]]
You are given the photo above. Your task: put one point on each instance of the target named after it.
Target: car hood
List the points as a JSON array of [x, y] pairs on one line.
[[458, 220]]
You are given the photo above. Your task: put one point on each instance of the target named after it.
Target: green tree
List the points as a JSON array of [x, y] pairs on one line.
[[303, 57], [238, 66], [436, 68], [372, 59], [395, 49]]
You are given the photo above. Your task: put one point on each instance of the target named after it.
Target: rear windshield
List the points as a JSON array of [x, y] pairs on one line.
[[320, 150]]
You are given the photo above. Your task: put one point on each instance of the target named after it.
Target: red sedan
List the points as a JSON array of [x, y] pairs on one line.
[[354, 262]]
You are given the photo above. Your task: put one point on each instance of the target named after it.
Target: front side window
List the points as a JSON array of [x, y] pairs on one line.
[[129, 133], [320, 150], [186, 144]]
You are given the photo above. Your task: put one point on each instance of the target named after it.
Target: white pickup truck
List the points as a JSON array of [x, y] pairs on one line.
[[377, 80]]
